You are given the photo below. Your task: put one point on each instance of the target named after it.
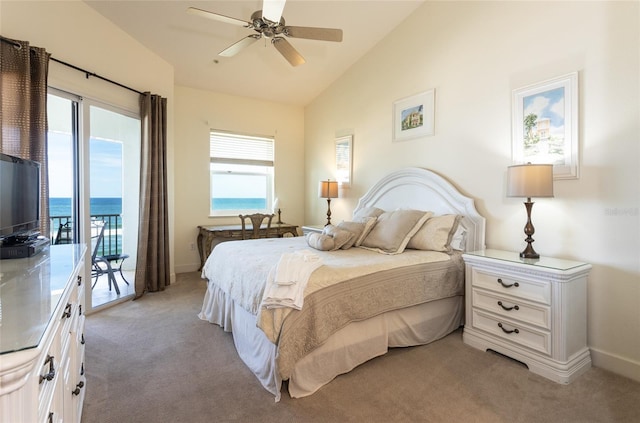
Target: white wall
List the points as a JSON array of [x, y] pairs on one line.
[[474, 54], [199, 111], [73, 32]]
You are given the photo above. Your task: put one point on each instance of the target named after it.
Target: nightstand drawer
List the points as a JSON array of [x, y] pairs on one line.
[[517, 333], [514, 309], [538, 291]]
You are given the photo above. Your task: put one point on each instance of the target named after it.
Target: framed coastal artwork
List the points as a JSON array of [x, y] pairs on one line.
[[413, 116], [344, 160], [545, 125]]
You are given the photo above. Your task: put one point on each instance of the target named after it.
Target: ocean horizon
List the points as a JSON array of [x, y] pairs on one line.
[[98, 206]]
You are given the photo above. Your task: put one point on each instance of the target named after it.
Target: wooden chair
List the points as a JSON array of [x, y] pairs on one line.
[[256, 222]]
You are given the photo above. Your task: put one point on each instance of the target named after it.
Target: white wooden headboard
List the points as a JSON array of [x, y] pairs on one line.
[[421, 189]]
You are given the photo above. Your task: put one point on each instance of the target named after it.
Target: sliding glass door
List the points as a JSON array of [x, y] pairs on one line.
[[94, 162]]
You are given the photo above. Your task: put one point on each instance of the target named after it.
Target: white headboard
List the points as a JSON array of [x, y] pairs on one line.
[[421, 189]]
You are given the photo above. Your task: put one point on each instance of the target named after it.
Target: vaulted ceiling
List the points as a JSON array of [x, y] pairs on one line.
[[191, 43]]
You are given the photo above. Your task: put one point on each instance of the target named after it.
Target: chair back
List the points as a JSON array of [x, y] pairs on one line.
[[97, 233], [256, 222]]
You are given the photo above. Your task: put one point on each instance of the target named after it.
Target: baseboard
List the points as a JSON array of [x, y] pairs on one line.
[[616, 364], [185, 268]]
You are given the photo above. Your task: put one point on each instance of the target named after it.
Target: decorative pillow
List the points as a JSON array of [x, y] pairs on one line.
[[459, 239], [341, 237], [320, 242], [369, 223], [394, 229], [367, 212], [436, 233], [355, 228]]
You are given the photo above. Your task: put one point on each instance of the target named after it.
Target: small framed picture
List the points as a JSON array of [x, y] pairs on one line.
[[344, 160], [414, 116], [545, 125]]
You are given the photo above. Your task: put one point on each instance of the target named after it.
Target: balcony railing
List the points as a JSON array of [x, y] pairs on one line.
[[111, 241]]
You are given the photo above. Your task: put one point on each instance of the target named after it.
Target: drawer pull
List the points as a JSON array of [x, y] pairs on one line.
[[82, 338], [516, 284], [79, 280], [50, 418], [78, 387], [52, 371], [515, 307], [67, 311], [508, 331]]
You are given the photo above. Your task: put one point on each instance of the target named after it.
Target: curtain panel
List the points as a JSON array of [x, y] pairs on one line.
[[152, 270], [23, 110]]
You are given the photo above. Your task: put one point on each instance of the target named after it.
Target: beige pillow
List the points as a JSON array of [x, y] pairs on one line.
[[355, 228], [436, 233], [394, 229], [340, 236], [367, 212], [320, 242], [369, 223]]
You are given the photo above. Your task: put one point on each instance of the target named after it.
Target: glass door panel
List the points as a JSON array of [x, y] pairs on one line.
[[114, 163]]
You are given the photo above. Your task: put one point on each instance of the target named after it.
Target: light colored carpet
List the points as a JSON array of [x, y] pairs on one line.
[[153, 360]]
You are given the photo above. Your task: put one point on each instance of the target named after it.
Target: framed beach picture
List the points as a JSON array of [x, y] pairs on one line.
[[414, 116], [545, 125], [344, 160]]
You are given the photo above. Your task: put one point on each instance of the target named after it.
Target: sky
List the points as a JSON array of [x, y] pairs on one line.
[[105, 164]]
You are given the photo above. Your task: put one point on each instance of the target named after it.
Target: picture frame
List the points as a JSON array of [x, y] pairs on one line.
[[413, 116], [344, 160], [545, 125]]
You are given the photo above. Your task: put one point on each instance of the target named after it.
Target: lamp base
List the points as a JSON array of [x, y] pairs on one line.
[[529, 252], [529, 230]]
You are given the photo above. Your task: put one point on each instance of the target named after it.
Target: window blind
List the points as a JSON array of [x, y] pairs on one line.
[[231, 148]]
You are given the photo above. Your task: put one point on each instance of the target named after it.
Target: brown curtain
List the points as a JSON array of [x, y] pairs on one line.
[[23, 110], [152, 269]]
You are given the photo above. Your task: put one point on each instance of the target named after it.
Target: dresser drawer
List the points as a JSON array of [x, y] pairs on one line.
[[516, 333], [538, 315], [538, 291]]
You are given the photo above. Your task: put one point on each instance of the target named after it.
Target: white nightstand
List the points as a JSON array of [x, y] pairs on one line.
[[312, 228], [534, 311]]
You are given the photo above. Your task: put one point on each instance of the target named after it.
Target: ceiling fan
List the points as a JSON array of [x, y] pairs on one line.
[[269, 23]]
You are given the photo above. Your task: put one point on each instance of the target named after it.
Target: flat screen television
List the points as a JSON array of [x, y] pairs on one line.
[[19, 198]]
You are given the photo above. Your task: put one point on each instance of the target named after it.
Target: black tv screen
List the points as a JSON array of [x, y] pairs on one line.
[[19, 196]]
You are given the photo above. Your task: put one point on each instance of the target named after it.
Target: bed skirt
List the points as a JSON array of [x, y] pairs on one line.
[[349, 347]]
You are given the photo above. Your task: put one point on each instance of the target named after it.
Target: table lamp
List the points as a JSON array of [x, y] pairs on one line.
[[276, 209], [530, 180], [328, 189]]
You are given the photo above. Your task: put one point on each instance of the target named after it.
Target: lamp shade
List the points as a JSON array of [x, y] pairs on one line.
[[530, 180], [276, 205], [328, 189]]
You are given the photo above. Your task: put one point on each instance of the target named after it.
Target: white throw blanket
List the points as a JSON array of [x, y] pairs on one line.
[[288, 279]]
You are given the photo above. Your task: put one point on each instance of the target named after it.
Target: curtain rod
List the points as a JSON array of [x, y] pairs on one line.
[[87, 74]]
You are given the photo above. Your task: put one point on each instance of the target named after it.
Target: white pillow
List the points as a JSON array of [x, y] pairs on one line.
[[340, 236], [394, 229], [320, 242], [435, 234]]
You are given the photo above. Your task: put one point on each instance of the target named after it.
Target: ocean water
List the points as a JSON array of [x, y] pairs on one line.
[[98, 206], [238, 203]]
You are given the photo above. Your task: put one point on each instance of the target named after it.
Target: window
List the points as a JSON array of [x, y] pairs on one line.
[[241, 173]]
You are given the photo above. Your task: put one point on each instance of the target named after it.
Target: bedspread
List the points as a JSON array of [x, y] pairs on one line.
[[376, 283]]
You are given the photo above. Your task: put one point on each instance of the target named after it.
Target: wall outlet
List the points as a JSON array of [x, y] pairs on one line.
[[192, 246]]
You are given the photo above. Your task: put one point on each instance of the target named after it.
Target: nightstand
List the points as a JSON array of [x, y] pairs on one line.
[[534, 311], [307, 229]]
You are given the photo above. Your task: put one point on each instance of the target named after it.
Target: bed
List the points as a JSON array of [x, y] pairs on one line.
[[358, 301]]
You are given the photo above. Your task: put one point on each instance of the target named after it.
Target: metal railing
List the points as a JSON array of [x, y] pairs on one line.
[[61, 228]]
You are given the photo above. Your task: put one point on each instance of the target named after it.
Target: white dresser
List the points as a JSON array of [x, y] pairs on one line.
[[41, 336], [534, 311]]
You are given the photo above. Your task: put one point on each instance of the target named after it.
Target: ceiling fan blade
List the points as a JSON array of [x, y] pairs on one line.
[[324, 34], [272, 10], [287, 50], [235, 48], [216, 17]]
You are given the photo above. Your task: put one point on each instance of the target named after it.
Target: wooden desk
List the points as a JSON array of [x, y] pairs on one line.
[[210, 236]]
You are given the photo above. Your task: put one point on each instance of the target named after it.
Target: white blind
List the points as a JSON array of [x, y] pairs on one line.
[[231, 148]]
